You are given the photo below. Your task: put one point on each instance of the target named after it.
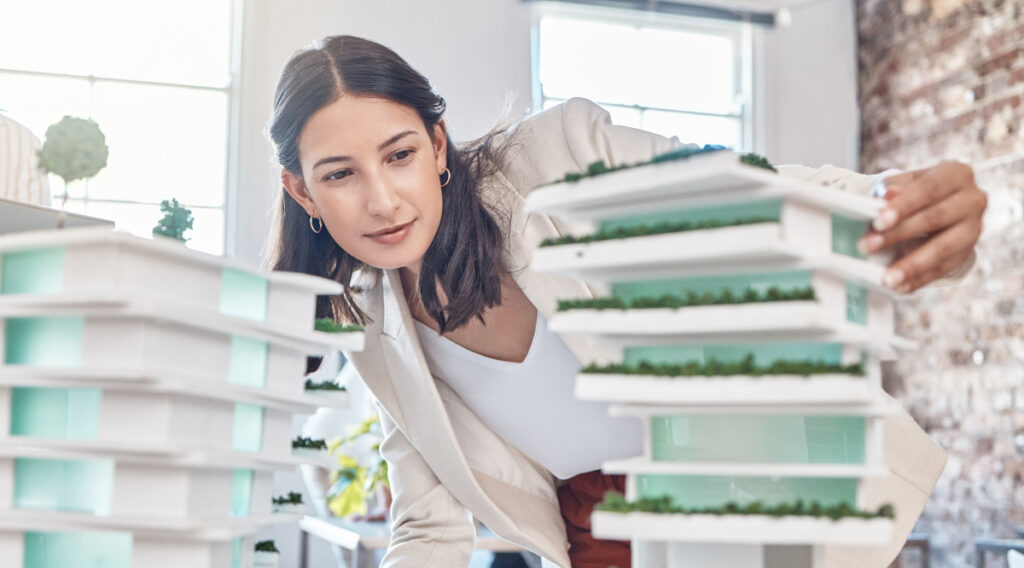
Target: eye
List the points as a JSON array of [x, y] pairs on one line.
[[401, 154], [337, 175]]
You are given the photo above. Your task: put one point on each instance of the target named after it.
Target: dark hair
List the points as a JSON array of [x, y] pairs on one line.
[[465, 255]]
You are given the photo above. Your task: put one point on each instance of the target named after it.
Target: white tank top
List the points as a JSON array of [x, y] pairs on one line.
[[531, 404]]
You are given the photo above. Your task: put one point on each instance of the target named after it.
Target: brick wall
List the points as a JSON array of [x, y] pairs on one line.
[[944, 79]]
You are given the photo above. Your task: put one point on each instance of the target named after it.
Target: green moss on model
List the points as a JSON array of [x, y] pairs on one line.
[[773, 294], [330, 326], [323, 386], [308, 443], [614, 502], [716, 368], [658, 229], [292, 498], [266, 546], [599, 167]]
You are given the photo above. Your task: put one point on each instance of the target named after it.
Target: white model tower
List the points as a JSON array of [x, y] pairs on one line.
[[746, 331], [146, 398]]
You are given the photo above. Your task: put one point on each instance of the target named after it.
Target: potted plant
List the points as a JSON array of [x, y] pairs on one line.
[[289, 504], [176, 220], [74, 149], [266, 555], [361, 474]]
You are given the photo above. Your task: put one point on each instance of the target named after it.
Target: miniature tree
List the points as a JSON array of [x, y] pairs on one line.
[[74, 149], [176, 220]]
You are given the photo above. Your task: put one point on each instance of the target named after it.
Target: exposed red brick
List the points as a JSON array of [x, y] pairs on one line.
[[1000, 62]]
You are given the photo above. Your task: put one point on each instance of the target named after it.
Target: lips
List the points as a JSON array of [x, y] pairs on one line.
[[389, 230]]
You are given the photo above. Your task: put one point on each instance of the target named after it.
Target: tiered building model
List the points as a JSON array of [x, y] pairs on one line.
[[146, 398], [746, 331]]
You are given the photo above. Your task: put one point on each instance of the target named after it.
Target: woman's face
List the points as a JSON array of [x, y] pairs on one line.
[[372, 173]]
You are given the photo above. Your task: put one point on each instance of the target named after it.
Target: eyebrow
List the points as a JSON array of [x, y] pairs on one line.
[[383, 145]]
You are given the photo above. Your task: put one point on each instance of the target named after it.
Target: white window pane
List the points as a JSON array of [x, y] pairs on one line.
[[184, 41], [38, 102], [686, 71], [207, 232], [626, 116], [164, 142], [695, 128], [581, 58]]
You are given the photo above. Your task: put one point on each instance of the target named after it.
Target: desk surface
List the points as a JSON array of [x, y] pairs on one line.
[[374, 535]]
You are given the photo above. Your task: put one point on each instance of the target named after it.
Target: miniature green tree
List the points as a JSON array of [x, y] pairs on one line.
[[292, 498], [266, 546], [74, 149], [176, 220], [323, 386], [308, 443]]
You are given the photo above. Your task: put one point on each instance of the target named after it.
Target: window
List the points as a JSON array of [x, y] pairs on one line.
[[156, 78], [673, 75]]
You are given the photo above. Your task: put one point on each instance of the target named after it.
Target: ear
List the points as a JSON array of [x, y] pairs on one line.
[[440, 140], [296, 187]]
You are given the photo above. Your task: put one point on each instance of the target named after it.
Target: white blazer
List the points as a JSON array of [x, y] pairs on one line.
[[447, 467]]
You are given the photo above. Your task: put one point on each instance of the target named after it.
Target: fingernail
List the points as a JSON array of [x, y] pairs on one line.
[[886, 218], [869, 244], [892, 278]]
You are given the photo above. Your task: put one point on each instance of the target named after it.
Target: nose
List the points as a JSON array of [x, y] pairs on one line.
[[382, 200]]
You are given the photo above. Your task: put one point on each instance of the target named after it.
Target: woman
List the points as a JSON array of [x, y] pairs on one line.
[[432, 241]]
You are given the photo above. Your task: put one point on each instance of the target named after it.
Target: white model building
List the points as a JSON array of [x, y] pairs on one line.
[[747, 333], [146, 398]]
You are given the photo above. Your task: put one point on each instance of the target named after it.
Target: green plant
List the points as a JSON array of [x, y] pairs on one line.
[[266, 546], [599, 167], [716, 368], [615, 502], [292, 498], [330, 326], [308, 443], [773, 294], [176, 220], [757, 161], [657, 229], [360, 469], [74, 149], [323, 386]]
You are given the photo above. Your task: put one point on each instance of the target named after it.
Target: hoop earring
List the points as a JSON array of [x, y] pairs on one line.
[[447, 171], [313, 228]]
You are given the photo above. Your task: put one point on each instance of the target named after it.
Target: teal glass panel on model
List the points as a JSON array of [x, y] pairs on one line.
[[715, 491], [241, 492], [845, 234], [770, 209], [53, 341], [248, 364], [737, 284], [86, 549], [81, 486], [764, 353], [67, 414], [236, 553], [758, 439], [35, 271], [248, 433], [243, 295], [856, 303]]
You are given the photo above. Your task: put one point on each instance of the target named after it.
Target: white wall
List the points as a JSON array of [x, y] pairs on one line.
[[475, 52]]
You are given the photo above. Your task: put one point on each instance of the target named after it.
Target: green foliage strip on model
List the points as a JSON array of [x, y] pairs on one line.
[[308, 443], [614, 502], [726, 296], [599, 167], [716, 368], [658, 229], [324, 386], [266, 546], [330, 326], [292, 498]]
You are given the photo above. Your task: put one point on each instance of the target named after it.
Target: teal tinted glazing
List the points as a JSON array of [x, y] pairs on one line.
[[241, 492], [856, 303], [83, 486], [243, 295], [758, 439], [715, 491], [236, 553], [723, 213], [44, 341], [737, 284], [248, 364], [36, 271], [248, 433], [845, 234], [69, 414], [78, 550], [764, 353]]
